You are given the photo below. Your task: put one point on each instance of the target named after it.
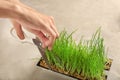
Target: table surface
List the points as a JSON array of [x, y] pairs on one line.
[[18, 61]]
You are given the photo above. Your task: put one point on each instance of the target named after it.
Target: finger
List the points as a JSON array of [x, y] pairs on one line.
[[47, 41], [52, 40], [49, 31], [18, 30], [40, 35], [53, 26], [42, 38]]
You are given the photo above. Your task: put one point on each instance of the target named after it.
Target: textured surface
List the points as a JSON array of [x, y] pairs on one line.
[[18, 61]]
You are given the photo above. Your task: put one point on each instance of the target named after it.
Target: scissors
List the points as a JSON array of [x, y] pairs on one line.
[[36, 42]]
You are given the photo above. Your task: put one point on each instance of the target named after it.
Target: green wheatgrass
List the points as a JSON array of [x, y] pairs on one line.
[[86, 58]]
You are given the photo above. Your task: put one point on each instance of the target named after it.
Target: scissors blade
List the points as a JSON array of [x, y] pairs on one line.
[[38, 43]]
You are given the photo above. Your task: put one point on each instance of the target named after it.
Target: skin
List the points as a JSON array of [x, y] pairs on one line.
[[23, 16]]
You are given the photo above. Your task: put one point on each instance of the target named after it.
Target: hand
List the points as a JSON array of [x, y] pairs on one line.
[[36, 23]]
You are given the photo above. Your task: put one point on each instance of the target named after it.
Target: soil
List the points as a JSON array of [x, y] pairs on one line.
[[108, 64], [77, 76]]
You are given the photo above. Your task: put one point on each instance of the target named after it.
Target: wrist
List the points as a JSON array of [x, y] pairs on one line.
[[11, 9], [21, 12], [16, 11], [7, 9]]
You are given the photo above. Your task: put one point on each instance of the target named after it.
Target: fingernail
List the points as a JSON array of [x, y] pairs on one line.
[[21, 36], [50, 48]]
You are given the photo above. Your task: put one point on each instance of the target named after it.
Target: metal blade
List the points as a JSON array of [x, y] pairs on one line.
[[38, 43]]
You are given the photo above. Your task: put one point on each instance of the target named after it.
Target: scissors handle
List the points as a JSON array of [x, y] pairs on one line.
[[26, 40]]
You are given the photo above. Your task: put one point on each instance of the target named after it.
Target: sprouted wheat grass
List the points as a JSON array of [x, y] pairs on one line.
[[86, 58]]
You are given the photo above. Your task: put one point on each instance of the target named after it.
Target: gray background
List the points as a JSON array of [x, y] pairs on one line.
[[18, 61]]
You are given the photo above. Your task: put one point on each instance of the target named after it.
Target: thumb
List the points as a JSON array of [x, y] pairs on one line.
[[18, 29]]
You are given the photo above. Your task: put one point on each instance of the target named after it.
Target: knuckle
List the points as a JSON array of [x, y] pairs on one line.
[[58, 35], [52, 18], [54, 35]]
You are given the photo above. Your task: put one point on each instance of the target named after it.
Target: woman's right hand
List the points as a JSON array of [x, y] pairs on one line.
[[41, 25]]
